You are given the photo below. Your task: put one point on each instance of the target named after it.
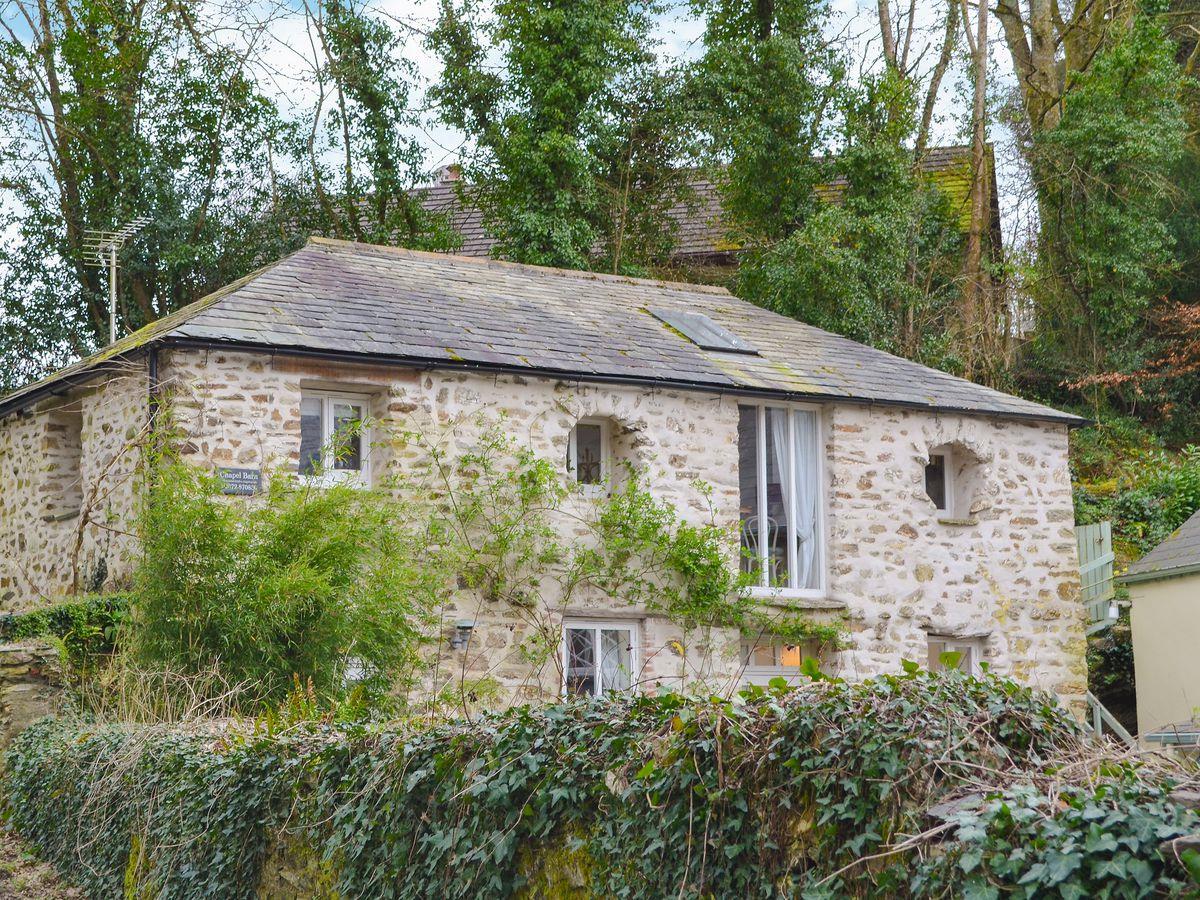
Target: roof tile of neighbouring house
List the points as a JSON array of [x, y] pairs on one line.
[[700, 230], [1177, 555], [360, 300]]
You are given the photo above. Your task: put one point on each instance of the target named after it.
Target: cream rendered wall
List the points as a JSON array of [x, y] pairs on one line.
[[1165, 616]]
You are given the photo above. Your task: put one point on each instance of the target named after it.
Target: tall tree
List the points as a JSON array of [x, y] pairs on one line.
[[766, 79], [878, 260], [541, 121], [1105, 177], [114, 110], [363, 118]]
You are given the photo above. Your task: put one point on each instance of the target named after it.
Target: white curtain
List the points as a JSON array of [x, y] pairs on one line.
[[808, 493], [777, 420], [614, 661]]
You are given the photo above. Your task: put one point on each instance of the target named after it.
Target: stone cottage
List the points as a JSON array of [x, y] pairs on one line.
[[926, 512]]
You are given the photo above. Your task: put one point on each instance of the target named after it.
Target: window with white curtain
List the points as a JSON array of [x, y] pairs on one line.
[[598, 657], [782, 509]]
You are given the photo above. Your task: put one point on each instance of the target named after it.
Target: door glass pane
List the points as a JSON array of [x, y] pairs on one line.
[[748, 487], [779, 488], [581, 662], [616, 659], [589, 453], [347, 449], [310, 435]]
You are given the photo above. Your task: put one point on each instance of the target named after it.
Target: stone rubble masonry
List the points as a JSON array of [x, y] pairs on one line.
[[68, 470], [1003, 571], [30, 686]]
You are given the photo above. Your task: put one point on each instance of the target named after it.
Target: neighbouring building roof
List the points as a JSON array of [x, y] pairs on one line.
[[1177, 555], [701, 233], [347, 300]]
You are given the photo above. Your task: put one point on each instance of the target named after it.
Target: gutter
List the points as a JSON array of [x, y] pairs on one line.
[[1161, 574], [427, 365], [1178, 738]]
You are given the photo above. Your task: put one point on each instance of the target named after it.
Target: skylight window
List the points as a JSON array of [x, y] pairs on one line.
[[703, 331]]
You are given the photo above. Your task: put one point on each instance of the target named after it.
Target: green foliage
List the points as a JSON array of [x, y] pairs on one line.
[[89, 624], [1103, 174], [1124, 474], [764, 81], [775, 793], [555, 169], [309, 582], [161, 109], [878, 261]]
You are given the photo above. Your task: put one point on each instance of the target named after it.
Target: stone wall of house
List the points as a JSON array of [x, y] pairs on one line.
[[67, 467], [1002, 572]]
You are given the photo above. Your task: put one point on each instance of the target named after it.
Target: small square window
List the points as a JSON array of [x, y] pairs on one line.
[[332, 436], [964, 654], [937, 481], [769, 657], [598, 657], [587, 455]]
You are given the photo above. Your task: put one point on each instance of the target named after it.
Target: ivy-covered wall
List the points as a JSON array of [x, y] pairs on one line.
[[915, 785]]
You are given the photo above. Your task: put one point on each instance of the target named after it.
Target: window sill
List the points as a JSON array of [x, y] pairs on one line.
[[958, 523], [794, 599]]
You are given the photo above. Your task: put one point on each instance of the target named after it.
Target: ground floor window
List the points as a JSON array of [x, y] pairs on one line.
[[767, 657], [598, 657], [964, 654]]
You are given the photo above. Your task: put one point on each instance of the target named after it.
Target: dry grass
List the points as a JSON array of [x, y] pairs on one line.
[[24, 876]]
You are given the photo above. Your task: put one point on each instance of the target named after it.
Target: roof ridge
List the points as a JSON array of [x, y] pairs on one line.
[[559, 272]]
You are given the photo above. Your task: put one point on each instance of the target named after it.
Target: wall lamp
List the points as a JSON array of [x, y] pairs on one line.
[[462, 634]]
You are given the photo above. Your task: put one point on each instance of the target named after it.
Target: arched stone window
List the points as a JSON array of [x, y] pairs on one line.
[[953, 481]]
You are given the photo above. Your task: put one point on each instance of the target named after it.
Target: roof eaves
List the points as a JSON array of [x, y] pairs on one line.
[[429, 363], [104, 359], [1160, 574]]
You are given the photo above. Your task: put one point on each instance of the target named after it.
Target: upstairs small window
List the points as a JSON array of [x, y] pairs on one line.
[[333, 437], [964, 654], [937, 481], [587, 454]]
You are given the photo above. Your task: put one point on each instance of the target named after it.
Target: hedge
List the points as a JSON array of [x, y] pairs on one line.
[[826, 790]]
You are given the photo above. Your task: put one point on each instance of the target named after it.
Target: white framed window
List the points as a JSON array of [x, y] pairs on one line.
[[781, 484], [333, 438], [588, 455], [766, 657], [967, 654], [599, 656], [939, 483]]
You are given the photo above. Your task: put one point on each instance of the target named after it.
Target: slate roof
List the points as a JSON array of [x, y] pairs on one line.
[[1177, 555], [429, 309], [700, 231]]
